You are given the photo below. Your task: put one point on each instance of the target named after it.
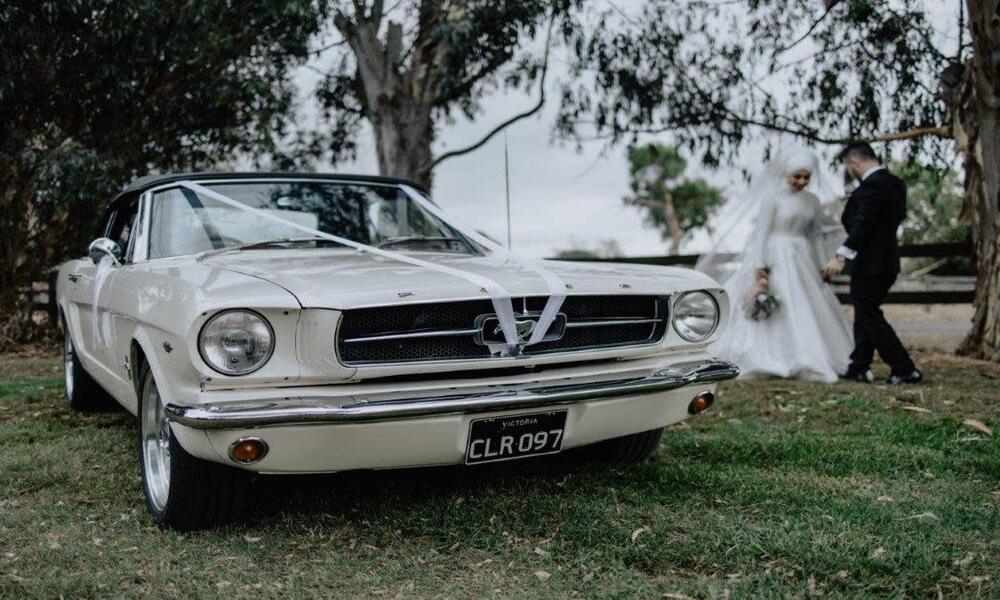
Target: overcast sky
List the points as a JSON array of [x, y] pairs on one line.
[[560, 198]]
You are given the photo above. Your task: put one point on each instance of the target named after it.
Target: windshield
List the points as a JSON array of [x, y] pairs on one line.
[[184, 222]]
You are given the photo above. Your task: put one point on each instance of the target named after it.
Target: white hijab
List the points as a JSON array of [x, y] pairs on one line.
[[737, 224]]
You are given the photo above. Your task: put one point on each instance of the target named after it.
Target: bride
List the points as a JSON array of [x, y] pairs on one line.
[[785, 322]]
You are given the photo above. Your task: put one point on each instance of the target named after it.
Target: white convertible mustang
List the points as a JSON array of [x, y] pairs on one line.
[[303, 323]]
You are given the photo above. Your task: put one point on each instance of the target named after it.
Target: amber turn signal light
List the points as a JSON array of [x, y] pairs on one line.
[[701, 403], [248, 451]]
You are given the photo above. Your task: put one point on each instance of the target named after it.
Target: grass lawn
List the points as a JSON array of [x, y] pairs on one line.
[[784, 488]]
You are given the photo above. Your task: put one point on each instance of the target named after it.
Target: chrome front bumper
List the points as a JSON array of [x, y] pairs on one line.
[[244, 414]]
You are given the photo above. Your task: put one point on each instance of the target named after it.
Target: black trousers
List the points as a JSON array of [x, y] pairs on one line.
[[871, 331]]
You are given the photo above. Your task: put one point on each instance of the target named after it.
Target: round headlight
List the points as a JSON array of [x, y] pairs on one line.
[[696, 315], [236, 342]]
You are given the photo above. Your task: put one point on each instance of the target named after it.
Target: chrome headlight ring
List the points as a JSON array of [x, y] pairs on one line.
[[695, 315], [236, 341]]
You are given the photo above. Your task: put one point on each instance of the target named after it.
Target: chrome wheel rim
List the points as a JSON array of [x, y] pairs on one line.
[[155, 445], [68, 365]]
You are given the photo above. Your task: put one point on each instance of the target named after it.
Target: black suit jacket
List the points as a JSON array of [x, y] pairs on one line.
[[871, 218]]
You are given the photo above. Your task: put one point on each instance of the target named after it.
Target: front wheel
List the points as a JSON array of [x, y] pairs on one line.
[[83, 394], [182, 492]]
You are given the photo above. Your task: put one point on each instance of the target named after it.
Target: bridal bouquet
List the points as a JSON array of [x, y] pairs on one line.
[[762, 304]]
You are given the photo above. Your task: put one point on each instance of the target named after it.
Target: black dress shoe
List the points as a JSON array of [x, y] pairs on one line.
[[865, 376], [915, 377]]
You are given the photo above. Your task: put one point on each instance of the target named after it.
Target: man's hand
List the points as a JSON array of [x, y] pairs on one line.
[[834, 267]]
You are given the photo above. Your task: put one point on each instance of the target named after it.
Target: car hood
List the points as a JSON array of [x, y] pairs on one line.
[[343, 279]]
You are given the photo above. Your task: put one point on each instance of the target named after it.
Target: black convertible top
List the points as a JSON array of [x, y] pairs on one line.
[[141, 184]]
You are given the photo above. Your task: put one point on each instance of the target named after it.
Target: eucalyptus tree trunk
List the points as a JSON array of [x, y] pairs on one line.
[[448, 56], [673, 223], [397, 92], [403, 136], [977, 130]]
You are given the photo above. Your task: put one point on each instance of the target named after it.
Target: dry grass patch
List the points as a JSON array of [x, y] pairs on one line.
[[784, 489]]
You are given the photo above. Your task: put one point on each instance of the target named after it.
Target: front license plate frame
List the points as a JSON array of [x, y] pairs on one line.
[[511, 437]]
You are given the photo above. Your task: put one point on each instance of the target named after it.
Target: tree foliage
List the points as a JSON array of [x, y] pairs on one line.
[[713, 75], [671, 202], [935, 214], [607, 248], [408, 68], [93, 92], [934, 205]]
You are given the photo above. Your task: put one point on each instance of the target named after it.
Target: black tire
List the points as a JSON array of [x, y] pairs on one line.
[[199, 494], [83, 394], [629, 449]]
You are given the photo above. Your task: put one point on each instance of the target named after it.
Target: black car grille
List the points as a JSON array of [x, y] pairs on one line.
[[451, 330]]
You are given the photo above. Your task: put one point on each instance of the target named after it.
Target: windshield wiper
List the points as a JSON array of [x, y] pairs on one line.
[[260, 245], [417, 238]]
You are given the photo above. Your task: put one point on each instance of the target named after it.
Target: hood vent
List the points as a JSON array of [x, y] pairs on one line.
[[459, 330]]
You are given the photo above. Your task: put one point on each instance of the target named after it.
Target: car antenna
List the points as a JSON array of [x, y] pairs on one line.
[[506, 175]]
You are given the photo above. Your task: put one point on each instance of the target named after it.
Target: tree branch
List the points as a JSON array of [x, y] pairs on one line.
[[316, 70], [323, 49], [961, 30], [376, 12], [458, 90], [514, 119], [830, 5], [942, 131]]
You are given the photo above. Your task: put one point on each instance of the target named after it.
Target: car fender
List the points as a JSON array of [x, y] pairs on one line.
[[163, 369]]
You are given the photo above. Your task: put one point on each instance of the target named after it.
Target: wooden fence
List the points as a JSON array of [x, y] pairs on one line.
[[957, 287]]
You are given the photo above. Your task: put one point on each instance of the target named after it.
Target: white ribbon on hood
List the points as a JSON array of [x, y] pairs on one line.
[[500, 297], [557, 288]]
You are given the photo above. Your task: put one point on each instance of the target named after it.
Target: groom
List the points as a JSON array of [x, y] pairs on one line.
[[873, 213]]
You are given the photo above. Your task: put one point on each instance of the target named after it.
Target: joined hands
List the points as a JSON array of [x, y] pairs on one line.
[[834, 267]]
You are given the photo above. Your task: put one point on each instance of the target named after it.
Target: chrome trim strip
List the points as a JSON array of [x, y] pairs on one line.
[[140, 251], [571, 355], [301, 410], [601, 323], [415, 334], [223, 178]]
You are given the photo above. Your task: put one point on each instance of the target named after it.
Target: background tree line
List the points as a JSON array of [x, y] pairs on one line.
[[94, 92]]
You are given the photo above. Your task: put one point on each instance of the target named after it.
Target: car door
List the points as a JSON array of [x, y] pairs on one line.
[[90, 291], [78, 289], [114, 315]]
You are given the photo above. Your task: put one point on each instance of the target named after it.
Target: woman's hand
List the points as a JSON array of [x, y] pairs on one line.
[[762, 281]]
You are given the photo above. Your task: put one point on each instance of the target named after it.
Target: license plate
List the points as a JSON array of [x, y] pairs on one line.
[[515, 436]]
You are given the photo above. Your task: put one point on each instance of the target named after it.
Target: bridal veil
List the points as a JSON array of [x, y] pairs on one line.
[[740, 226]]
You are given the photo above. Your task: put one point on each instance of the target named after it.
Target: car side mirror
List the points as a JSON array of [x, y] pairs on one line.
[[102, 247]]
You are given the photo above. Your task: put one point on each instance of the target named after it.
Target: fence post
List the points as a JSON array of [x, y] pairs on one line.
[[52, 307]]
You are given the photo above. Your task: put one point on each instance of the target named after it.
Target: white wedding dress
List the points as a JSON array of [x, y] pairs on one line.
[[808, 337]]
